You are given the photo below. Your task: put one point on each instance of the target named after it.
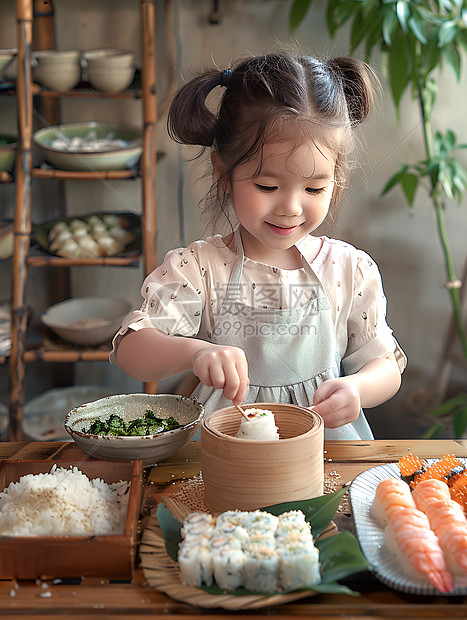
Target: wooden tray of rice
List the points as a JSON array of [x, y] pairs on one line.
[[69, 518]]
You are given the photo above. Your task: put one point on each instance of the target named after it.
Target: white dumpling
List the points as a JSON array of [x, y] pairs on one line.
[[124, 236], [77, 224], [89, 246], [57, 229], [70, 249], [109, 246], [111, 219], [59, 240]]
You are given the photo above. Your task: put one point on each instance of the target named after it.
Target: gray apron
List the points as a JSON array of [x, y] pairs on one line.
[[290, 352]]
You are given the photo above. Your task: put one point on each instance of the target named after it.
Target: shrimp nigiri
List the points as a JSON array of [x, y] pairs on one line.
[[408, 533], [447, 520]]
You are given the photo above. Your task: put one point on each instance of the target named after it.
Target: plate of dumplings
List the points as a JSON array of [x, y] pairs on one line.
[[90, 236]]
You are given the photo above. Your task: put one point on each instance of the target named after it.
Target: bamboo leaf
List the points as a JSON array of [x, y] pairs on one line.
[[403, 14], [398, 70], [318, 511], [394, 180], [170, 527], [389, 25], [340, 556], [415, 24], [460, 422], [449, 405], [409, 184], [453, 58], [433, 431], [447, 33], [297, 13]]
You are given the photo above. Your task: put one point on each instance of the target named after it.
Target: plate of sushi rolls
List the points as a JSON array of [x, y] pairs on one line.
[[410, 521], [249, 559], [90, 236]]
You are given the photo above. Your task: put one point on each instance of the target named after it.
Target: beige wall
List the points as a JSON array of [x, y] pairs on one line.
[[403, 241]]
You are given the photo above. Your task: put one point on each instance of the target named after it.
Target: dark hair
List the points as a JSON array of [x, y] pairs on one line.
[[268, 95]]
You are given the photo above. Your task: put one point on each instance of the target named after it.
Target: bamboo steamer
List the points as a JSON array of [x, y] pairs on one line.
[[246, 475]]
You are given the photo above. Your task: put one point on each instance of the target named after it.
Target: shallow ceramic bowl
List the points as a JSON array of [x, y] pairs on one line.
[[6, 57], [111, 79], [106, 58], [151, 449], [8, 146], [87, 321], [118, 158]]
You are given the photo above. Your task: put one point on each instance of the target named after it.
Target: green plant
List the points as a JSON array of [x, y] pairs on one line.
[[417, 39]]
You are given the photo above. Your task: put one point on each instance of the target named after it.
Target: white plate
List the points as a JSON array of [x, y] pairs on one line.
[[370, 535]]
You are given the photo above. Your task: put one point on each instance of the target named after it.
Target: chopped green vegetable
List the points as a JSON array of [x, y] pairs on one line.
[[149, 424]]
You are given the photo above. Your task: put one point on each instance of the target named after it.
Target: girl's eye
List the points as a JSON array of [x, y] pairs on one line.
[[315, 190], [266, 188]]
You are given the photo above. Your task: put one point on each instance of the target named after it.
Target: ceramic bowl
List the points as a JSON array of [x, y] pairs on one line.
[[86, 321], [106, 58], [55, 69], [246, 475], [111, 79], [117, 158], [151, 449], [6, 57], [8, 146]]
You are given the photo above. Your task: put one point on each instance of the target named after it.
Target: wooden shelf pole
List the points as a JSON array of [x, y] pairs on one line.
[[22, 220]]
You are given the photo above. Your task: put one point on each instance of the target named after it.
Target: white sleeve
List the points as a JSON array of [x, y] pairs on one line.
[[369, 335], [173, 299]]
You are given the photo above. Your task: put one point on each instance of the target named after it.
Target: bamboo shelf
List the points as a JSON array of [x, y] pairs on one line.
[[72, 355], [108, 261], [38, 16], [95, 175]]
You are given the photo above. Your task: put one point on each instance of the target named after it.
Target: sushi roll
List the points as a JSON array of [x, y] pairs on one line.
[[287, 530], [235, 517], [260, 521], [228, 566], [198, 524], [229, 529], [261, 569], [260, 426], [195, 563], [292, 516], [299, 566], [262, 539]]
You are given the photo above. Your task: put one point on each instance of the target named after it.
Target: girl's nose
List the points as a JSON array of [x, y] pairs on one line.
[[289, 205]]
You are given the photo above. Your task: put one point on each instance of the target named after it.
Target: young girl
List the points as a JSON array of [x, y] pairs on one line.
[[269, 312]]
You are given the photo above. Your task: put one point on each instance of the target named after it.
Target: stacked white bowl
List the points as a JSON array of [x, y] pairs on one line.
[[56, 69], [109, 70]]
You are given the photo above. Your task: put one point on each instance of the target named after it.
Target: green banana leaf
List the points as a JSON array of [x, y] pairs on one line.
[[340, 555]]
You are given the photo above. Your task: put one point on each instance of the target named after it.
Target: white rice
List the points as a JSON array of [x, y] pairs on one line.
[[64, 502], [261, 426]]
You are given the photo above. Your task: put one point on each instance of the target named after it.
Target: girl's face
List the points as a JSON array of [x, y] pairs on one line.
[[286, 201]]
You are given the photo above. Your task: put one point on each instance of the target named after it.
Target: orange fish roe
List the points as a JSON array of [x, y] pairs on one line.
[[447, 469], [460, 496], [411, 464]]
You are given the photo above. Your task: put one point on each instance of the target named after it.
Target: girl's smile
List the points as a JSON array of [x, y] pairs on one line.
[[281, 199]]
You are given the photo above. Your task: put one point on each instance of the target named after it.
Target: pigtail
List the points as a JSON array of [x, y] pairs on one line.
[[359, 84], [190, 121]]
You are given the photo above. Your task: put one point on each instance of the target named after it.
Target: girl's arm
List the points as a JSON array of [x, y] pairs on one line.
[[338, 401], [150, 355]]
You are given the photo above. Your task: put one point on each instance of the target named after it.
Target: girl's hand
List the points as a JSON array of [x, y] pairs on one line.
[[337, 401], [223, 368]]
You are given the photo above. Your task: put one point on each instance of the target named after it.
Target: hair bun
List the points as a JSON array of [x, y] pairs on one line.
[[358, 81]]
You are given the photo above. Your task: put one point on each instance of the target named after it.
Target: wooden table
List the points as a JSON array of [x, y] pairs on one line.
[[131, 600]]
